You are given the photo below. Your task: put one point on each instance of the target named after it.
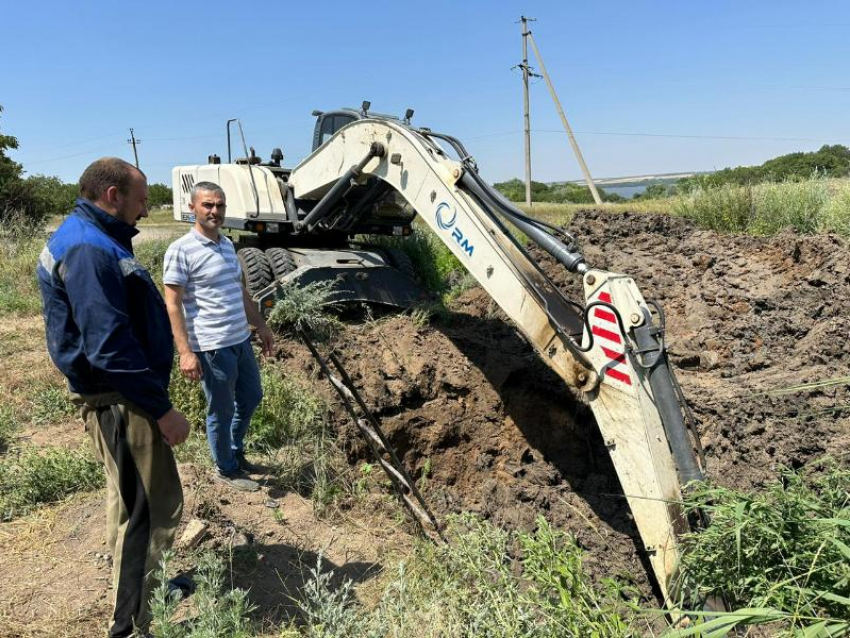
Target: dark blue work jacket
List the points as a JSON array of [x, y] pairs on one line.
[[107, 326]]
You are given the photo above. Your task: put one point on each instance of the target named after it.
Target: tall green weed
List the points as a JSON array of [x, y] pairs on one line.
[[809, 206], [483, 582], [785, 551]]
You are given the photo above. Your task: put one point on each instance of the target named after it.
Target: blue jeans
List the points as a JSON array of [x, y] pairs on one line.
[[232, 386]]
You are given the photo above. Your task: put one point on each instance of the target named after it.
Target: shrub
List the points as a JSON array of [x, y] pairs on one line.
[[305, 308], [436, 266], [219, 614], [725, 208], [785, 551], [483, 582]]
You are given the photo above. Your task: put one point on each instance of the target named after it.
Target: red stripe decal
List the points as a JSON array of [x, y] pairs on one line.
[[619, 376], [616, 357], [606, 334], [605, 315], [604, 296]]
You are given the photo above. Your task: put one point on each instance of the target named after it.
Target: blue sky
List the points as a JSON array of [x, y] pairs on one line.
[[648, 86]]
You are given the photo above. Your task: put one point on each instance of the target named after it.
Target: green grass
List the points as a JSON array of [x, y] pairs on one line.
[[784, 551], [39, 476], [290, 410], [484, 582], [50, 404], [810, 206], [19, 294], [9, 424], [436, 266]]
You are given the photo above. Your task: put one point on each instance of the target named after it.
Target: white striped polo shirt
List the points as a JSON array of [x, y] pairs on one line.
[[211, 279]]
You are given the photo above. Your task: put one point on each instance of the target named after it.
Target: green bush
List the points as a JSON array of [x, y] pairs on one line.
[[220, 613], [305, 308], [725, 208], [36, 476], [559, 193], [809, 206], [436, 266], [159, 195], [796, 205], [785, 551]]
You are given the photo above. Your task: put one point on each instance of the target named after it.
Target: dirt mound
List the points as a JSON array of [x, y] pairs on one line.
[[486, 426], [745, 316]]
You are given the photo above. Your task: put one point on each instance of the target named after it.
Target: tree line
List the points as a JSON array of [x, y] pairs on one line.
[[828, 161], [561, 193], [32, 200]]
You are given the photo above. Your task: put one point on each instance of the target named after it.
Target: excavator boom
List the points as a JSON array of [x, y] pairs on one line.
[[609, 348]]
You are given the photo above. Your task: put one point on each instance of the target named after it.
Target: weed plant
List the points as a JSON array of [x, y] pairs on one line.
[[783, 554], [34, 477], [435, 265], [808, 206], [289, 411], [51, 404], [9, 424], [305, 308], [219, 614], [19, 252], [484, 582]]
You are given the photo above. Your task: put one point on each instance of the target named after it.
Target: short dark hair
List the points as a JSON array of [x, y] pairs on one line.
[[106, 172], [207, 187]]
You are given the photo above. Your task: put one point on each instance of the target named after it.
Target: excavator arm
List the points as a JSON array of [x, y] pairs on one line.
[[610, 347]]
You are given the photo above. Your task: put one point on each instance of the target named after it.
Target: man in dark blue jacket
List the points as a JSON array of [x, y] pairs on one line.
[[108, 332]]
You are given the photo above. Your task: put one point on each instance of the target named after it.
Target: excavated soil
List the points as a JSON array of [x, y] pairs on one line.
[[488, 427]]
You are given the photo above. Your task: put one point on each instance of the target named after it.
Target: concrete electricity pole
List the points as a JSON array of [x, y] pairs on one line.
[[566, 124], [526, 72], [134, 141]]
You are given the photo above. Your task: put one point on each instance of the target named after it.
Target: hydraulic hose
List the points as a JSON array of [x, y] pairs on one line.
[[574, 262], [667, 403], [340, 188]]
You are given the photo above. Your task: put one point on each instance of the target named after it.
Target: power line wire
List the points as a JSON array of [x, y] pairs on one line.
[[663, 135]]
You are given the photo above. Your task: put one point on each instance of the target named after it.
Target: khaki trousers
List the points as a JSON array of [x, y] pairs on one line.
[[144, 501]]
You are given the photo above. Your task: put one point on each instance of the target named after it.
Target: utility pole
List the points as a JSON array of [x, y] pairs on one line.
[[526, 115], [566, 124], [134, 141]]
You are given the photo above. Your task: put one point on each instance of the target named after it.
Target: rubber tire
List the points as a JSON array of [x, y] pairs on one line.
[[281, 261], [256, 269], [402, 262]]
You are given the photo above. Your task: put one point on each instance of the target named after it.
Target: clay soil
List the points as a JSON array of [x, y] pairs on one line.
[[484, 425]]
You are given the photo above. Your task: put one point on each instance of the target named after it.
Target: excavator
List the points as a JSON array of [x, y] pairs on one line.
[[373, 174]]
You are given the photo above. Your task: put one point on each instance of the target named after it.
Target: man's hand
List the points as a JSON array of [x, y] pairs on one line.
[[174, 427], [190, 366], [266, 339]]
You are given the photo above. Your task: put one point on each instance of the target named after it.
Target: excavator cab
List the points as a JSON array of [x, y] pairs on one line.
[[329, 122]]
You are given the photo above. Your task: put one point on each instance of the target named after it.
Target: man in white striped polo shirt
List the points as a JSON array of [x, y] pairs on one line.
[[209, 309]]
